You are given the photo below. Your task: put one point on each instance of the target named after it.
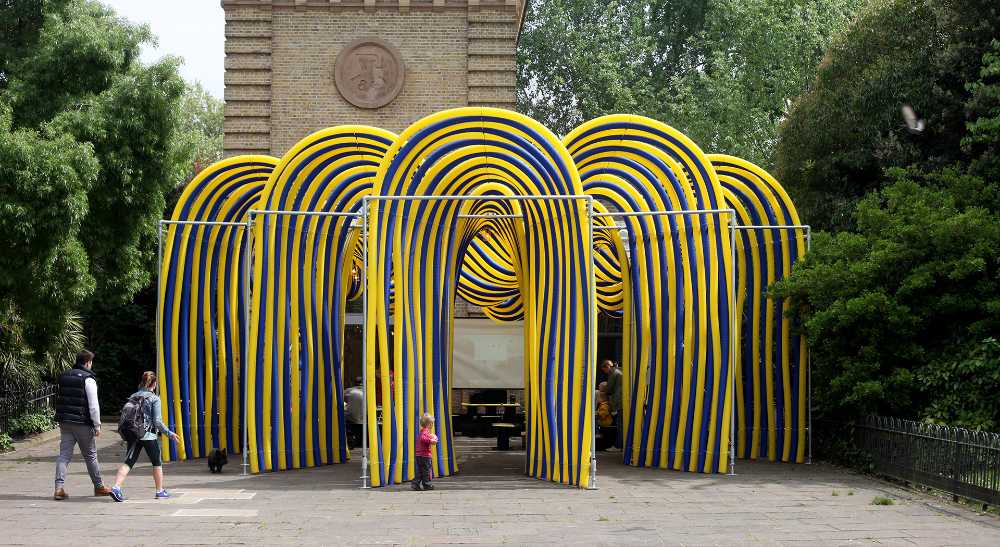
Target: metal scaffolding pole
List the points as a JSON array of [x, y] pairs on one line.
[[592, 343], [364, 342], [809, 373], [248, 229], [732, 344], [159, 294]]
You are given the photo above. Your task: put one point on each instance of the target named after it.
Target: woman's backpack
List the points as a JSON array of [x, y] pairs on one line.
[[133, 424]]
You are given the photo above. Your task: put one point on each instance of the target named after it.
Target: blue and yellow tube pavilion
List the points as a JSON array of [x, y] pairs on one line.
[[624, 216]]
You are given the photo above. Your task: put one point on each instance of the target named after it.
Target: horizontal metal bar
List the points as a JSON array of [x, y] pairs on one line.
[[491, 216], [737, 227], [302, 213], [202, 223], [480, 198], [666, 213], [776, 227], [925, 436]]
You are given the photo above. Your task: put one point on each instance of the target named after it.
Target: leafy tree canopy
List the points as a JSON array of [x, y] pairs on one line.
[[199, 136], [86, 141], [912, 286], [721, 71], [902, 310], [44, 181], [843, 134]]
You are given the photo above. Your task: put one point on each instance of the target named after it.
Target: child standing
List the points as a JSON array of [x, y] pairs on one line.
[[425, 440]]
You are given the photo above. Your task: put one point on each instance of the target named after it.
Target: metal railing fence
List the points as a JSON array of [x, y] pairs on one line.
[[13, 405], [963, 462]]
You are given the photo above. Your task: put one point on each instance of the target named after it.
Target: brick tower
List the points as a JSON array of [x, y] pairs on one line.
[[296, 66]]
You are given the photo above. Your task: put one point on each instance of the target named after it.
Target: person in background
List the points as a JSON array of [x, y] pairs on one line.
[[354, 412], [613, 389], [150, 441], [78, 413], [604, 417], [425, 440], [605, 421]]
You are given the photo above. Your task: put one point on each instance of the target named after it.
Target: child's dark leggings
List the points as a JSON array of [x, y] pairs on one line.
[[423, 472]]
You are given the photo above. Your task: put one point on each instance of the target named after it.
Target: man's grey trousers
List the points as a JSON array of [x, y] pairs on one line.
[[70, 436]]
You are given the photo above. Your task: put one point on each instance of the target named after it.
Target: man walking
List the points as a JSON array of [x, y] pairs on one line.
[[614, 392], [79, 417]]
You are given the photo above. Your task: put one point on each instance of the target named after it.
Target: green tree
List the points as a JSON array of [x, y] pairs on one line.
[[721, 71], [44, 180], [983, 139], [842, 135], [902, 310], [87, 156], [20, 22], [123, 331], [198, 143], [914, 285], [579, 59], [965, 388]]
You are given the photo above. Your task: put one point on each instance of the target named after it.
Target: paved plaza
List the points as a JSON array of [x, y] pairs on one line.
[[491, 502]]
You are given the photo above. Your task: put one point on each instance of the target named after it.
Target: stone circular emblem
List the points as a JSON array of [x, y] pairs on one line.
[[369, 73]]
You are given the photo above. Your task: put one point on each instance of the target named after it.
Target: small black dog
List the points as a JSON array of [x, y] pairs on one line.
[[216, 460]]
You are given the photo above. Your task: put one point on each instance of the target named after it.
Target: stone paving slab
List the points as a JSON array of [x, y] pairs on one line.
[[490, 503]]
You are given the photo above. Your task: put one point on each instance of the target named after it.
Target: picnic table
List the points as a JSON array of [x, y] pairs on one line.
[[504, 428]]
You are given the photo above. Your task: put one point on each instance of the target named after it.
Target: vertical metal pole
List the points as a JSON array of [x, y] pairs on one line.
[[592, 343], [364, 340], [809, 372], [246, 340], [159, 299], [732, 347], [159, 288]]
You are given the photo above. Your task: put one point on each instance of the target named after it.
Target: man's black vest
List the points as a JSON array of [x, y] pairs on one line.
[[71, 404]]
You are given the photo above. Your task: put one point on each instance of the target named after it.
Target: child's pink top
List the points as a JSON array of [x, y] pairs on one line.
[[424, 442]]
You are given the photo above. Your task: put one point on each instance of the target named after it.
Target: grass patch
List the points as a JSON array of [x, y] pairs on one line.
[[882, 500], [835, 493], [850, 492], [602, 519]]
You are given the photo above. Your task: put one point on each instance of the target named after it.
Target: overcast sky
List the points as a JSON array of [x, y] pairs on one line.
[[190, 29]]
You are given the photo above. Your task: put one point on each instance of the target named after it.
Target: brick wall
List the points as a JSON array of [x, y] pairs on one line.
[[280, 58]]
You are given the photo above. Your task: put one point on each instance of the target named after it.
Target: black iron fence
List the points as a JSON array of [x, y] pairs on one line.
[[13, 405], [962, 462]]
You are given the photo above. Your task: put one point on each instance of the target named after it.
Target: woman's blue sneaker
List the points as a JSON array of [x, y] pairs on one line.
[[162, 494], [117, 494]]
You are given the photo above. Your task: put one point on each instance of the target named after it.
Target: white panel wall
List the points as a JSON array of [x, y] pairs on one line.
[[488, 354]]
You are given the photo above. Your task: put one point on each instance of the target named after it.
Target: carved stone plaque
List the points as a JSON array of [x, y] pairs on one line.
[[369, 73]]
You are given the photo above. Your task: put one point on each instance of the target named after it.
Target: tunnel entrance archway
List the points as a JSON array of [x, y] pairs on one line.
[[422, 366], [441, 168]]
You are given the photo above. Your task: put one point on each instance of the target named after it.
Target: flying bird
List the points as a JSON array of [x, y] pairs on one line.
[[914, 124]]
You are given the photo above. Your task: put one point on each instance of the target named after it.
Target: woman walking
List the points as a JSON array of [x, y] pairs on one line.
[[148, 442]]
